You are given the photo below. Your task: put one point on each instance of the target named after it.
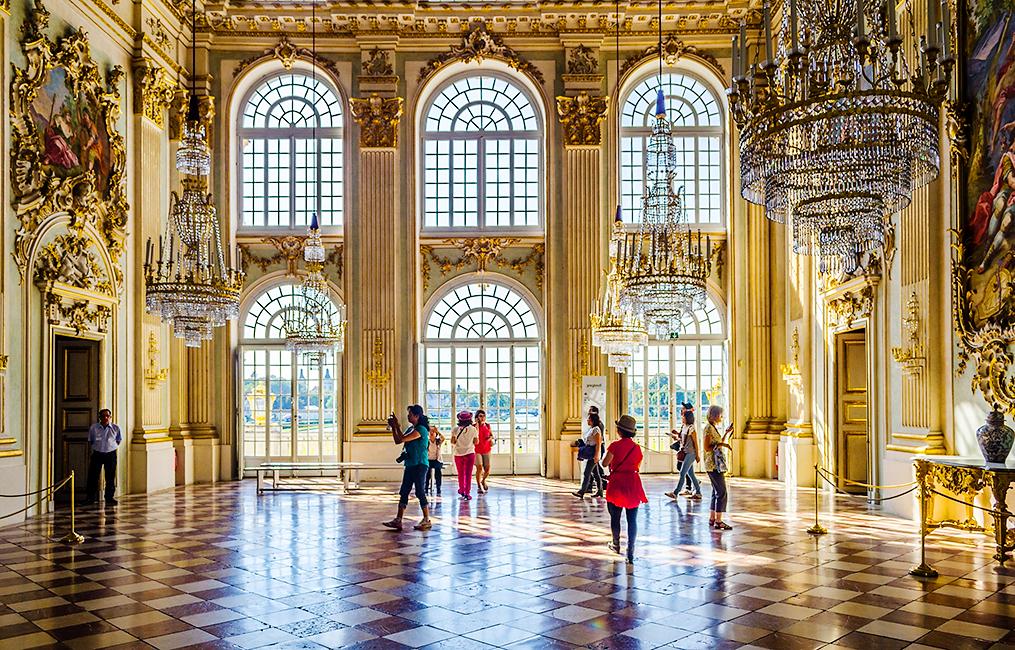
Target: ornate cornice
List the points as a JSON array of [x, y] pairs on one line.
[[377, 118], [481, 251], [581, 116], [673, 51], [154, 91], [477, 45], [287, 53]]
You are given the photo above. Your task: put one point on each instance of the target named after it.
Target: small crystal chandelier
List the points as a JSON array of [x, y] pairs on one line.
[[313, 327], [618, 333], [663, 268], [836, 128], [189, 284]]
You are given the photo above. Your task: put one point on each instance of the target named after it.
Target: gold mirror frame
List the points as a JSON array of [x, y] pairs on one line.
[[39, 196]]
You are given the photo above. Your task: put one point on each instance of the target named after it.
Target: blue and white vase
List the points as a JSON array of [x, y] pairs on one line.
[[995, 439]]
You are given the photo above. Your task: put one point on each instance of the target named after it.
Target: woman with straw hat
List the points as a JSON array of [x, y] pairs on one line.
[[624, 491]]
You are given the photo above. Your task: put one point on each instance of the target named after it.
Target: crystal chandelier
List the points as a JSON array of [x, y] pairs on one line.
[[189, 284], [663, 268], [313, 327], [618, 333], [836, 128]]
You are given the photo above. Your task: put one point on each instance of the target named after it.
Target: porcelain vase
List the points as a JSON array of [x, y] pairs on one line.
[[995, 438]]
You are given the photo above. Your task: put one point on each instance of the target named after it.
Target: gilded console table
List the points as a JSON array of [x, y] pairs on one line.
[[965, 477]]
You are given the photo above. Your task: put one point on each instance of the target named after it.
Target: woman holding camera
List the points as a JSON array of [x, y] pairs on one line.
[[414, 443]]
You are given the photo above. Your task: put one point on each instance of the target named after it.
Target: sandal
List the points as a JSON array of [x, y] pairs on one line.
[[394, 523], [722, 525], [711, 523], [426, 524]]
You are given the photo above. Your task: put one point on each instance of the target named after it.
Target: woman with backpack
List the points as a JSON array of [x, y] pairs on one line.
[[590, 453], [464, 438]]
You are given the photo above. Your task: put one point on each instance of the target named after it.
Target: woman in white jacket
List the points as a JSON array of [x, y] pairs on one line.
[[464, 438]]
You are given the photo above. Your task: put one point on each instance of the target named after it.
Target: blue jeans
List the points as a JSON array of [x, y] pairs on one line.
[[687, 473]]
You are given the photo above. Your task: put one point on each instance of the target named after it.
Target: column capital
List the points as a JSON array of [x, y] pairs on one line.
[[377, 118], [581, 116], [154, 90]]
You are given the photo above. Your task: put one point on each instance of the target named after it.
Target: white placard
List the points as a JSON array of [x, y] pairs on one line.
[[594, 394]]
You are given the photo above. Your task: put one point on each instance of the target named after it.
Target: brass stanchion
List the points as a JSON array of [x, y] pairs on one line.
[[923, 570], [816, 529], [72, 537]]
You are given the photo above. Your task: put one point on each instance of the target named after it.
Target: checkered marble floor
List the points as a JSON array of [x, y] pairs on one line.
[[524, 566]]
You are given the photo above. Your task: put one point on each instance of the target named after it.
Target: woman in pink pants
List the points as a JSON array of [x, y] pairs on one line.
[[464, 438]]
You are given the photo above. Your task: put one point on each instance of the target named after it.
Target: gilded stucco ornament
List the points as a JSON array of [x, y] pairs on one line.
[[985, 346], [910, 356], [583, 61], [76, 314], [68, 260], [851, 306], [376, 375], [581, 116], [673, 51], [481, 251], [378, 64], [288, 251], [154, 91], [286, 52], [67, 158], [178, 115], [477, 45], [377, 118]]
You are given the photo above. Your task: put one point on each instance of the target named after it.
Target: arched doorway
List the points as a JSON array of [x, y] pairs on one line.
[[288, 406], [481, 349]]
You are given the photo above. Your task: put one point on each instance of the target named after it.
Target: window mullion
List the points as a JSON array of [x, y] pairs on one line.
[[292, 181], [481, 182], [511, 177]]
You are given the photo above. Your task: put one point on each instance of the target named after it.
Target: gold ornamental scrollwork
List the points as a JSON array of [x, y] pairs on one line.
[[154, 375], [791, 372], [77, 314], [154, 91], [287, 53], [851, 306], [910, 356], [67, 157], [673, 51], [481, 251], [581, 116], [477, 45], [288, 251], [377, 118], [377, 376], [985, 347]]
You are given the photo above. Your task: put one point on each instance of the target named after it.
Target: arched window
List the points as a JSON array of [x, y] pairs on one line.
[[666, 374], [697, 128], [481, 349], [289, 408], [482, 157], [290, 139]]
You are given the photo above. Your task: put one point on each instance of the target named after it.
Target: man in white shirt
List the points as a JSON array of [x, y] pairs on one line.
[[104, 437]]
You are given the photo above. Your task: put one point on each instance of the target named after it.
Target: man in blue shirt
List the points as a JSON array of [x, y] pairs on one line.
[[104, 437]]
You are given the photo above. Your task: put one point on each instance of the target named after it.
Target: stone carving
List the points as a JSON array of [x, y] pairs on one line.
[[379, 64], [154, 91], [673, 50], [479, 44], [581, 117], [583, 61], [287, 53], [377, 118], [66, 156]]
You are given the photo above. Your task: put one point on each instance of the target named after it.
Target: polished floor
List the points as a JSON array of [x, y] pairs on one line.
[[524, 566]]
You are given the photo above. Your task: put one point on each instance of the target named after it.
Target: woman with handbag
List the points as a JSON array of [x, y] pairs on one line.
[[433, 453], [464, 438], [687, 442], [624, 492], [589, 452], [715, 466]]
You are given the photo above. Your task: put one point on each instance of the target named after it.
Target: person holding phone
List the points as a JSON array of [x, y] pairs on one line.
[[715, 466], [414, 455]]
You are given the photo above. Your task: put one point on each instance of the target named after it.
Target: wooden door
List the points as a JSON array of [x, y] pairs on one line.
[[77, 407], [851, 395]]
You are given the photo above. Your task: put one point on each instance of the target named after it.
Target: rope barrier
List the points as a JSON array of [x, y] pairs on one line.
[[867, 485], [973, 505], [72, 537]]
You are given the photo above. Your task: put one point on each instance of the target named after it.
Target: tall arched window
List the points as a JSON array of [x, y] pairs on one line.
[[666, 374], [289, 406], [696, 118], [481, 349], [290, 140], [482, 157]]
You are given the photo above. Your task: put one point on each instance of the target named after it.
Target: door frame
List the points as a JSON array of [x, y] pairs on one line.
[[841, 444]]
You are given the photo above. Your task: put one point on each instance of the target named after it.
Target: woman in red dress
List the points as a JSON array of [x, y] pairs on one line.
[[624, 491]]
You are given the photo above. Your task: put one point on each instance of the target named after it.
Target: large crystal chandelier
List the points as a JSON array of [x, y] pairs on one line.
[[313, 327], [189, 284], [837, 128], [663, 268]]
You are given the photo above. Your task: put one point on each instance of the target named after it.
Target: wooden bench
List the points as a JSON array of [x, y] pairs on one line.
[[344, 468]]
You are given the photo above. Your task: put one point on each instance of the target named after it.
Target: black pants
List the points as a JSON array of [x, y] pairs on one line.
[[413, 476], [434, 472], [99, 461], [632, 526], [593, 476]]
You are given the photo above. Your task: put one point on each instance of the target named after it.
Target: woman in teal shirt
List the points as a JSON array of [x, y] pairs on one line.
[[414, 447]]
